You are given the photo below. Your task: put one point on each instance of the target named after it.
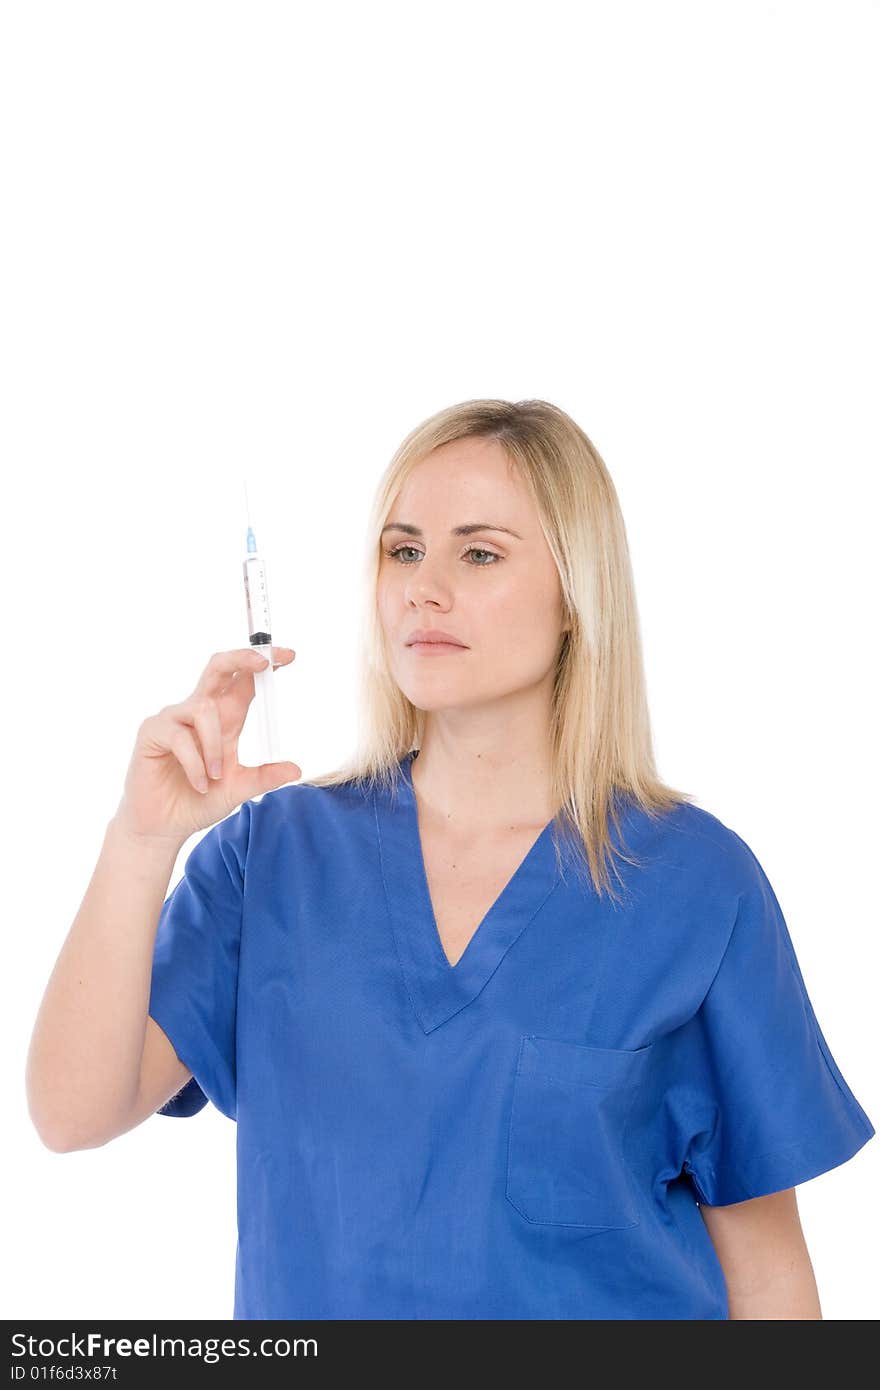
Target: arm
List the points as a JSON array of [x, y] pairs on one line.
[[764, 1257], [84, 1067]]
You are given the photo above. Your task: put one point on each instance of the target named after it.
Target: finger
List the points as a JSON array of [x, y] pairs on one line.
[[281, 656], [206, 720], [183, 745], [254, 781], [243, 686], [226, 668], [274, 775]]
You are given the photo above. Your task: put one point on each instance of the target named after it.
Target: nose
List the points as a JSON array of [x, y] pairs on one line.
[[427, 586]]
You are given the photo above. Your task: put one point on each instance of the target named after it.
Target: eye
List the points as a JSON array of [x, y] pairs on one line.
[[491, 555], [478, 550]]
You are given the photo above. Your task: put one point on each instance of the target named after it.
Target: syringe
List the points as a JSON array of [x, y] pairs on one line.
[[256, 593]]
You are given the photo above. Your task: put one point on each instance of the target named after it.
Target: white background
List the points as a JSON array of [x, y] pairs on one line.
[[266, 240]]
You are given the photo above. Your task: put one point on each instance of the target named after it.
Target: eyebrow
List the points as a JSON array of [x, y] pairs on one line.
[[456, 530]]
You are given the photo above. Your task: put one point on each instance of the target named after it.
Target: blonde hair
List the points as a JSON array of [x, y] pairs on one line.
[[601, 735]]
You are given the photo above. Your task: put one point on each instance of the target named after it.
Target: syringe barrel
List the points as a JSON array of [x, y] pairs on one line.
[[256, 590], [265, 699]]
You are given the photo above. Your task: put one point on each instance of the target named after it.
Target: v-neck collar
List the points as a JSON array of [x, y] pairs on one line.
[[437, 989]]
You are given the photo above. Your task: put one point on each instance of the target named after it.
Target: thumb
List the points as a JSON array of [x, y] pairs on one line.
[[270, 776]]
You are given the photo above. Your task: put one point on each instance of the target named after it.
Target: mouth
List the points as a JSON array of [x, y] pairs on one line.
[[436, 647], [424, 638]]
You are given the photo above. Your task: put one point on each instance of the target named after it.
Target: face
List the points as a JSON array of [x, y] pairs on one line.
[[497, 593]]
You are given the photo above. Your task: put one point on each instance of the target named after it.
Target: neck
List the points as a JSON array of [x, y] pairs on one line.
[[475, 789]]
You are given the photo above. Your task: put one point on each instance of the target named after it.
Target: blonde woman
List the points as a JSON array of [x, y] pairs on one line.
[[510, 1028]]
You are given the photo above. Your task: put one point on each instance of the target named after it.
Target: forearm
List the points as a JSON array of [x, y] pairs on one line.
[[790, 1294], [762, 1252], [83, 1065]]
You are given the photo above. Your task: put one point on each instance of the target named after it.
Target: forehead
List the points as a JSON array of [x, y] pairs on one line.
[[456, 478]]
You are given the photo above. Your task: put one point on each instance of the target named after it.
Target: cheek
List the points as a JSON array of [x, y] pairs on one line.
[[384, 596], [526, 618], [530, 600]]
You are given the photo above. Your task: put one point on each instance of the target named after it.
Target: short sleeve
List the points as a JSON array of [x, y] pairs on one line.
[[770, 1106], [194, 985]]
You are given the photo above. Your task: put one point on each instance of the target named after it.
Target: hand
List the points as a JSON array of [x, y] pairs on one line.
[[172, 788]]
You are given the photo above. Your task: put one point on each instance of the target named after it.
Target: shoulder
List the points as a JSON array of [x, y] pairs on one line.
[[692, 877], [316, 819], [692, 842], [695, 878]]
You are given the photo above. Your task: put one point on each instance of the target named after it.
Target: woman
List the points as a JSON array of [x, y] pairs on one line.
[[510, 1028]]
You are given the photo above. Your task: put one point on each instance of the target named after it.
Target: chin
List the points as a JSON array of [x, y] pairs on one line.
[[437, 701]]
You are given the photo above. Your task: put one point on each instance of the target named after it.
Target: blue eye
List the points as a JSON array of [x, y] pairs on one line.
[[471, 550]]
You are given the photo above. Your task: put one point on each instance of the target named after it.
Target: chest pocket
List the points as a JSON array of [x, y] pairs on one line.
[[566, 1153]]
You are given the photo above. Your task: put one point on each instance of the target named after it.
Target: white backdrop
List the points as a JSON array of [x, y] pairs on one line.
[[266, 240]]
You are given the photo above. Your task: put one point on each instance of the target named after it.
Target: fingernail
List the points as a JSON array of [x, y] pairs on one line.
[[216, 769], [202, 784]]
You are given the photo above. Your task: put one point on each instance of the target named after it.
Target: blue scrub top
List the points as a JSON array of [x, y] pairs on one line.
[[525, 1134]]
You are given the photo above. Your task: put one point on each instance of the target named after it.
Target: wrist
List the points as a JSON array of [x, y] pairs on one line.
[[121, 836]]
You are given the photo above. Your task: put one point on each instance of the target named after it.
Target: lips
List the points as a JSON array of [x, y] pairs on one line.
[[433, 635]]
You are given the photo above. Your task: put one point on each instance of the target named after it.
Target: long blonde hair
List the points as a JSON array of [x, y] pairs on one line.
[[601, 734]]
